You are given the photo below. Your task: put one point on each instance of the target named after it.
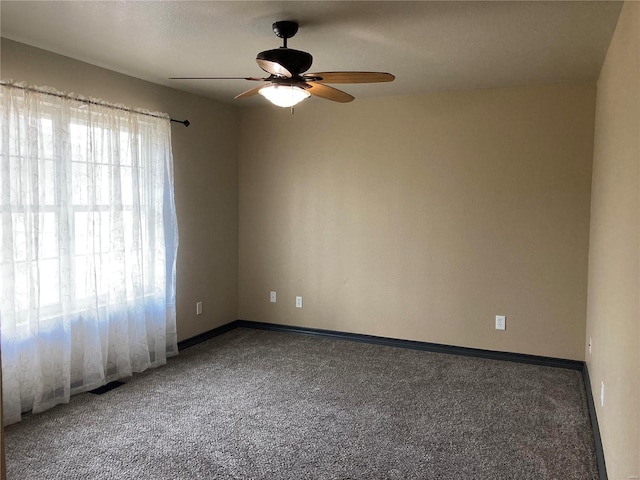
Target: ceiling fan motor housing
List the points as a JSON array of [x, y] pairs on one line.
[[295, 61], [285, 28]]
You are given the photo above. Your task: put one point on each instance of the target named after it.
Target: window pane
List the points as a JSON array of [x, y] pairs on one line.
[[16, 142], [125, 148], [102, 184], [49, 282], [21, 286], [103, 235], [16, 181], [80, 230], [19, 237], [84, 282], [127, 186], [79, 144], [79, 183], [48, 183], [46, 137], [48, 236]]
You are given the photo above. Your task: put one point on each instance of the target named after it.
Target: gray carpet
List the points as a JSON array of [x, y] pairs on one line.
[[252, 404]]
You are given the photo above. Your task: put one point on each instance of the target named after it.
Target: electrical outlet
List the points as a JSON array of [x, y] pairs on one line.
[[199, 308], [602, 394], [501, 322], [272, 297], [298, 302]]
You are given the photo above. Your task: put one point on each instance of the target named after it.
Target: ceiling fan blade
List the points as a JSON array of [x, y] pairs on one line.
[[274, 68], [328, 93], [248, 93], [253, 79], [350, 77]]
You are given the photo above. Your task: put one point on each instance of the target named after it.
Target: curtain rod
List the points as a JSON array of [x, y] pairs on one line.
[[186, 123]]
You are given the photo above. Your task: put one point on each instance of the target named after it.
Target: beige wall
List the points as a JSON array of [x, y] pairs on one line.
[[423, 217], [614, 289], [205, 168]]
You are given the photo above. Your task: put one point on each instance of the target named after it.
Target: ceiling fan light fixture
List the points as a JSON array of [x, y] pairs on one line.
[[284, 95]]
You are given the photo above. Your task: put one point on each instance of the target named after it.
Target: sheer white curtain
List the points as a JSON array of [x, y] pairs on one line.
[[88, 246]]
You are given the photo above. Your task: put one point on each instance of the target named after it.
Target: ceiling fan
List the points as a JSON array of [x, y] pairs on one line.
[[287, 84]]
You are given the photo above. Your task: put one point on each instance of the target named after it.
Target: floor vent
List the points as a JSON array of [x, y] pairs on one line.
[[106, 388]]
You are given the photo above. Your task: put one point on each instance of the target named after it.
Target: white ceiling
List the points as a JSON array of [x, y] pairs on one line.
[[429, 46]]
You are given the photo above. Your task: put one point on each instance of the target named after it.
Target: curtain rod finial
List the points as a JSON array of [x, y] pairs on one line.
[[186, 123]]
